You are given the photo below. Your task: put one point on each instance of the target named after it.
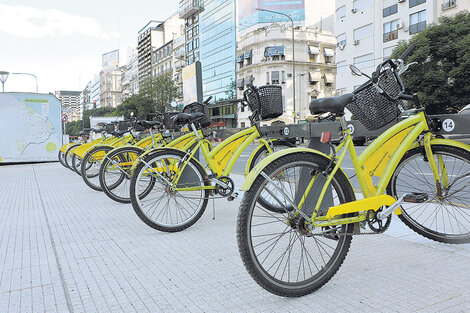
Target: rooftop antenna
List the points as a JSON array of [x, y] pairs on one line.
[[3, 79]]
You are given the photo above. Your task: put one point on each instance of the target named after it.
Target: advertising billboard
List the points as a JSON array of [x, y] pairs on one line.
[[248, 15], [32, 127], [110, 59]]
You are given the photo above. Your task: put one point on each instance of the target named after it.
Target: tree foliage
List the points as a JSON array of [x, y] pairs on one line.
[[137, 104], [160, 91], [441, 77]]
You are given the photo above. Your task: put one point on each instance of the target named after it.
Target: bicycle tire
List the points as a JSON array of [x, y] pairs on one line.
[[260, 155], [185, 214], [76, 164], [253, 219], [61, 157], [90, 166], [438, 218], [113, 181], [68, 157]]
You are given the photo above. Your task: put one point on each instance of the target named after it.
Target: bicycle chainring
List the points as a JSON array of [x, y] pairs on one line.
[[375, 224], [225, 192]]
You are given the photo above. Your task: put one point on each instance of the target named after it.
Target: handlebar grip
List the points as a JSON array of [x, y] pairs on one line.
[[407, 52], [406, 97]]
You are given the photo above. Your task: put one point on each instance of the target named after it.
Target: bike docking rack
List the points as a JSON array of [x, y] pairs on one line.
[[453, 125]]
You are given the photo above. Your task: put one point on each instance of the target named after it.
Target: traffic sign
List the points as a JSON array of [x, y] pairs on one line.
[[64, 117]]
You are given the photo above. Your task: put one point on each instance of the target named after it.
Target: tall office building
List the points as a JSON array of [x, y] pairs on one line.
[[367, 31], [70, 102], [210, 35], [152, 36]]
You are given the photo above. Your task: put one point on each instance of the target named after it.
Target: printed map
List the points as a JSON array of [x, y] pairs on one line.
[[30, 127]]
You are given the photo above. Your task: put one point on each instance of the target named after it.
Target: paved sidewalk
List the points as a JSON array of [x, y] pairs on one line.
[[67, 248]]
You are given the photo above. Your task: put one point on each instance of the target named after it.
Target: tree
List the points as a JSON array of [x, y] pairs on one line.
[[72, 128], [161, 91], [139, 105], [441, 77]]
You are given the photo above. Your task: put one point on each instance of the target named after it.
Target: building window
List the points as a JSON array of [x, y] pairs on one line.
[[283, 77], [341, 41], [248, 56], [363, 32], [390, 31], [359, 5], [418, 22], [275, 77], [340, 13], [341, 67], [390, 10], [328, 53], [364, 61], [240, 60], [448, 4], [414, 3]]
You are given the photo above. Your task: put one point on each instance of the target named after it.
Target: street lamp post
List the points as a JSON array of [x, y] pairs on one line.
[[300, 87], [293, 54], [31, 75], [3, 79]]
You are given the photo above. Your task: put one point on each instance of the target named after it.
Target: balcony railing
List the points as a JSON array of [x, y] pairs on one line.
[[448, 4], [192, 7]]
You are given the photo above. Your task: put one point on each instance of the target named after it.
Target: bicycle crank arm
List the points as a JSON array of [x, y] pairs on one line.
[[413, 197]]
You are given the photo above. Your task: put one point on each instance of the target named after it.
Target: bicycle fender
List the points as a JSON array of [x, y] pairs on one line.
[[252, 156], [67, 146], [444, 142], [250, 178]]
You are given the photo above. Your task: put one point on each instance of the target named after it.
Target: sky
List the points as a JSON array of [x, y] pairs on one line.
[[61, 42]]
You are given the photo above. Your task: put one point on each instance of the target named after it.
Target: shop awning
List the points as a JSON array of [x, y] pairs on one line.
[[249, 54], [329, 52], [240, 58], [240, 82], [276, 50], [313, 50], [329, 78], [314, 76]]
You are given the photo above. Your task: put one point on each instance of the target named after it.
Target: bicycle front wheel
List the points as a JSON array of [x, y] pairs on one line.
[[161, 204], [445, 216], [281, 252]]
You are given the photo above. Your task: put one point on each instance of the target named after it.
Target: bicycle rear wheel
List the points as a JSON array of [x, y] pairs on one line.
[[281, 253], [444, 218], [115, 175], [155, 200], [90, 166]]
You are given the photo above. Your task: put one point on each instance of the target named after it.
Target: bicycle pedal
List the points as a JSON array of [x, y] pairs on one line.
[[416, 197], [233, 196]]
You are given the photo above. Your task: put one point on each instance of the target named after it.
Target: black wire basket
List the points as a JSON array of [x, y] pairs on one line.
[[168, 122], [267, 102], [123, 125], [110, 128], [373, 109], [198, 107]]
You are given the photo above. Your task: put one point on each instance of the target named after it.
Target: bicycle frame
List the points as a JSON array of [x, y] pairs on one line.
[[380, 159], [221, 159]]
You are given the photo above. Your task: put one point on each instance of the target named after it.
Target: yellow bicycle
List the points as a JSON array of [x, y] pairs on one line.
[[170, 187], [409, 171]]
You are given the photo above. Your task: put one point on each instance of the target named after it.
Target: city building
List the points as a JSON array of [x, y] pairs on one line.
[[162, 60], [210, 37], [367, 31], [70, 103], [95, 91], [264, 57], [178, 63], [110, 86], [130, 76], [85, 99], [154, 35]]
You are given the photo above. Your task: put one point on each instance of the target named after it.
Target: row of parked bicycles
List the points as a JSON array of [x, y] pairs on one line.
[[299, 211]]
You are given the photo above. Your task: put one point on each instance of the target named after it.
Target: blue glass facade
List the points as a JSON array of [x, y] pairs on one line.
[[218, 47]]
